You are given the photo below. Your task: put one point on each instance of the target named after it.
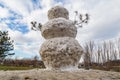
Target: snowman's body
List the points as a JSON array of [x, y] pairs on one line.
[[60, 50]]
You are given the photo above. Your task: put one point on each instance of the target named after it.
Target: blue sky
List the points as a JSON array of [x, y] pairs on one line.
[[16, 15]]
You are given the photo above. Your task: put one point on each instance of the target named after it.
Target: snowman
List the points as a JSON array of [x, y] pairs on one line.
[[60, 51]]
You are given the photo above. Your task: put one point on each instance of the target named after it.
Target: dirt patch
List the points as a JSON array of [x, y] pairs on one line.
[[40, 74]]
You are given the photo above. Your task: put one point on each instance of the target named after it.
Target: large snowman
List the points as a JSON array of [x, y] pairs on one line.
[[60, 51]]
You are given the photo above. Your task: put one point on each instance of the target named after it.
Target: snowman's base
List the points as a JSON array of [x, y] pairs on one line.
[[68, 68]]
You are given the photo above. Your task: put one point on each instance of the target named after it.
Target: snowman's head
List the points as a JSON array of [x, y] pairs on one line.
[[58, 11]]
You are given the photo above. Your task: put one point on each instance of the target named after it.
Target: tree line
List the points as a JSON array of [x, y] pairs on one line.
[[102, 52]]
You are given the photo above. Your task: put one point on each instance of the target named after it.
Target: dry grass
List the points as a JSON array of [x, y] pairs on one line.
[[14, 68]]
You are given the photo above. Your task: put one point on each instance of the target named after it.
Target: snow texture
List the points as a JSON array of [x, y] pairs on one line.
[[58, 11], [59, 27], [61, 53]]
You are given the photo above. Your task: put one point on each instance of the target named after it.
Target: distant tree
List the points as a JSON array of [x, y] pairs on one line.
[[88, 53], [6, 45]]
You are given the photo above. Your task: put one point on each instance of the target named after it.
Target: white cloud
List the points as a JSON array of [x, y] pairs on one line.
[[104, 16], [19, 6], [4, 13], [38, 15], [3, 26], [29, 43], [47, 3]]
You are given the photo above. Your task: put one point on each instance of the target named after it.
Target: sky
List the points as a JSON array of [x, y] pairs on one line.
[[16, 15]]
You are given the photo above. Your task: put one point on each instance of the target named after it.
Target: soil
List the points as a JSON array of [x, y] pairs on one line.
[[41, 74]]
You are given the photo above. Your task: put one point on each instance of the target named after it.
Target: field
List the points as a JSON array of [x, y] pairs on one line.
[[14, 68]]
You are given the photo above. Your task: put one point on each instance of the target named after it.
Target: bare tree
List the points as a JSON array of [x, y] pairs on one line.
[[118, 46], [99, 52], [88, 48]]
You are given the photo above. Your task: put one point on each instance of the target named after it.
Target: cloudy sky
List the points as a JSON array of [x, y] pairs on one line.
[[16, 15]]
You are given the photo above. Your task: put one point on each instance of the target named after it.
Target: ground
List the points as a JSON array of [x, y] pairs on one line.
[[41, 74]]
